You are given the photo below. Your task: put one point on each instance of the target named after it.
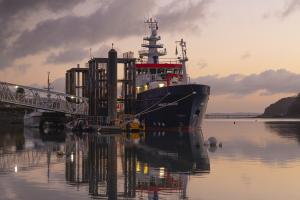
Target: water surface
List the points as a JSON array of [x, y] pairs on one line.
[[259, 159]]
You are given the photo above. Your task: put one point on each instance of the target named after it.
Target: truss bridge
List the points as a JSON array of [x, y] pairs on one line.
[[43, 99]]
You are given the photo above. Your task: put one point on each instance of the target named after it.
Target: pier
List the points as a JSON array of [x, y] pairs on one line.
[[91, 91]]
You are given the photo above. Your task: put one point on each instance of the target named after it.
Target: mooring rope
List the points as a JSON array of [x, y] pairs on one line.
[[144, 112], [168, 93]]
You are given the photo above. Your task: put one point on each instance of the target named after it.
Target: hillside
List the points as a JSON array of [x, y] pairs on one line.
[[285, 107]]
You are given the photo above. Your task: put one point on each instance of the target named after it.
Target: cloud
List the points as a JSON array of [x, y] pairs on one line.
[[268, 82], [76, 54], [13, 11], [10, 8], [116, 19], [58, 85], [66, 56], [180, 14], [13, 16], [292, 6], [74, 31], [202, 64], [266, 15], [246, 55]]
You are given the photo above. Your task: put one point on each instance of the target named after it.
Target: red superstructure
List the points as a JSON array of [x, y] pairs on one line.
[[152, 75], [158, 66]]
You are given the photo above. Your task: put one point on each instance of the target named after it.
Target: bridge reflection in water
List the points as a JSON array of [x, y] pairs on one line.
[[24, 151]]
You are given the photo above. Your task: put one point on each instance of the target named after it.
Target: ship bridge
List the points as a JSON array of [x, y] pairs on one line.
[[42, 99]]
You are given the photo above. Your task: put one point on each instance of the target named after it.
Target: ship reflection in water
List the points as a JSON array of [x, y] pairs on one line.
[[116, 168]]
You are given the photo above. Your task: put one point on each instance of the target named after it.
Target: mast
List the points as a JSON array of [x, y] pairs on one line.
[[150, 43], [183, 59], [49, 87]]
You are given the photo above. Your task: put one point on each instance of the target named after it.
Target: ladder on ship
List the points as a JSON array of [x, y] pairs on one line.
[[42, 99]]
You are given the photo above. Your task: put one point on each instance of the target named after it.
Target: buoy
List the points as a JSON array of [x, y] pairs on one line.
[[212, 149], [59, 154], [212, 141], [220, 144]]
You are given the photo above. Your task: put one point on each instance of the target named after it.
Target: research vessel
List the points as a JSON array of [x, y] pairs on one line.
[[165, 96]]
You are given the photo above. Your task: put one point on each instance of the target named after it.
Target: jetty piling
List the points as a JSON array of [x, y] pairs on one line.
[[98, 82]]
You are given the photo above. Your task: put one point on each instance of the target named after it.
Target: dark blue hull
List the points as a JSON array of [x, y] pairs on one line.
[[174, 106]]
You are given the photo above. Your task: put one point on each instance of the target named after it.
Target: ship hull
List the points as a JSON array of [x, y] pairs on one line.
[[180, 106]]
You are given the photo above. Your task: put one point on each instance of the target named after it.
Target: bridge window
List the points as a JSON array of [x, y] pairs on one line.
[[153, 71], [160, 71], [170, 71]]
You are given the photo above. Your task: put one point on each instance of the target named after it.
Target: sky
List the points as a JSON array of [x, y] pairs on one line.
[[247, 51]]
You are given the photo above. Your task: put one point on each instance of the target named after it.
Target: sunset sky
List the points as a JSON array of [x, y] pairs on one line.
[[247, 51]]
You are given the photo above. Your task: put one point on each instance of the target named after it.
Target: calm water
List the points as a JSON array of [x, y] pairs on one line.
[[258, 160]]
